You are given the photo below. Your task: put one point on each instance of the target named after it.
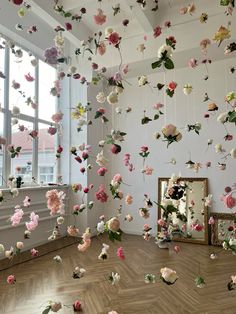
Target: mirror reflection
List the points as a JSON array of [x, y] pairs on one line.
[[182, 210]]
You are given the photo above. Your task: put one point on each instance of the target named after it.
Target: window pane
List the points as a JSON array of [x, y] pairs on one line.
[[19, 67], [2, 69], [1, 149], [47, 102], [46, 155], [22, 165]]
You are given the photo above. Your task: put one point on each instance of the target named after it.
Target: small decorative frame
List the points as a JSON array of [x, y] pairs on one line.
[[227, 217]]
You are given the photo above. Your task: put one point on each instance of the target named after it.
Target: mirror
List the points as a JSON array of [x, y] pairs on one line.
[[223, 227], [182, 210]]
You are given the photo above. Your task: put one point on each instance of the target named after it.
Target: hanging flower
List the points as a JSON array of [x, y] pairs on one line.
[[164, 55], [187, 89], [142, 80], [114, 39], [157, 31], [192, 63], [204, 44], [112, 98], [222, 34], [29, 77], [101, 98], [171, 88], [86, 241], [101, 194], [55, 201], [101, 48], [100, 17], [147, 170], [51, 55], [171, 134]]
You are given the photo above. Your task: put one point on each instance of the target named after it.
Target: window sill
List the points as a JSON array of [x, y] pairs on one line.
[[37, 187]]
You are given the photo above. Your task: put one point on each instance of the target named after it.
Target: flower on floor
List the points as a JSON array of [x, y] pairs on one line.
[[146, 232], [86, 241], [199, 282], [120, 253], [171, 134], [114, 278], [222, 34], [9, 253], [177, 249], [78, 273], [77, 306], [149, 278], [27, 201], [11, 280], [34, 252], [232, 284], [53, 306], [55, 200], [104, 253], [168, 275], [57, 259]]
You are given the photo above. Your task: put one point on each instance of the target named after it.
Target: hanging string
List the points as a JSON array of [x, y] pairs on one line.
[[194, 99], [165, 99], [175, 104], [226, 80]]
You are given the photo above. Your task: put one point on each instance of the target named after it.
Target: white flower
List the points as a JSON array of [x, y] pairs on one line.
[[19, 245], [101, 227], [72, 69], [101, 160], [82, 207], [14, 121], [218, 148], [168, 275], [2, 249], [187, 90], [60, 220], [118, 110], [57, 259], [115, 184], [14, 192], [108, 31], [232, 242], [164, 48], [114, 278], [225, 245], [112, 98], [59, 41], [90, 204], [101, 98], [209, 141], [119, 89], [141, 48], [174, 178], [34, 62], [9, 254], [142, 80], [101, 143], [233, 153], [222, 117], [15, 110], [198, 125]]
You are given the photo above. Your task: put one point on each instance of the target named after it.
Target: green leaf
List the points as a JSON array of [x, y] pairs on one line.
[[18, 149], [88, 49], [160, 86], [104, 119], [156, 64], [224, 2], [156, 117], [145, 120], [169, 65], [47, 310], [67, 14], [169, 92], [232, 116], [97, 115], [123, 133]]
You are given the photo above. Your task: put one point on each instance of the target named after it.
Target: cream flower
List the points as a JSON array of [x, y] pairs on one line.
[[15, 110], [101, 160], [187, 89], [14, 192], [141, 48], [233, 153], [163, 49], [2, 249], [168, 275], [142, 80], [114, 278], [101, 98], [101, 227], [221, 34], [232, 242], [112, 98], [113, 224], [218, 148], [222, 118], [108, 31]]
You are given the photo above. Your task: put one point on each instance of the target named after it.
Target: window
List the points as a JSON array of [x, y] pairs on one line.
[[25, 116]]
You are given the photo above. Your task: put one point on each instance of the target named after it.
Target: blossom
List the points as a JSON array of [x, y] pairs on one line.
[[148, 170], [11, 279], [102, 171], [86, 237], [187, 89], [72, 231], [34, 252], [128, 199], [113, 312], [101, 48], [113, 224], [165, 50], [77, 306], [57, 117], [229, 200], [99, 18], [29, 77], [162, 223], [17, 216], [114, 38], [168, 275], [169, 130], [55, 201], [26, 201], [197, 227], [51, 55], [114, 278], [233, 153], [112, 98], [101, 194], [141, 48], [204, 44], [101, 98], [117, 178], [221, 34], [157, 31], [142, 80], [19, 245], [101, 226], [222, 118], [32, 225], [192, 63], [103, 255], [101, 160], [120, 253], [55, 306], [129, 218]]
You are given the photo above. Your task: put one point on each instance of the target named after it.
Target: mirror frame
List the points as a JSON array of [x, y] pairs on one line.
[[206, 214], [214, 228]]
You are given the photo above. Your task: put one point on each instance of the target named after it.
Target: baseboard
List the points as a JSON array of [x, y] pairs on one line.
[[43, 250]]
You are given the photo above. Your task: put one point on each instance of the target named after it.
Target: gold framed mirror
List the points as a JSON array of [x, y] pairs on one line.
[[223, 227], [182, 209]]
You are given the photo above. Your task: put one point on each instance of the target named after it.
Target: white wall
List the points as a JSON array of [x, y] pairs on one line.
[[178, 110]]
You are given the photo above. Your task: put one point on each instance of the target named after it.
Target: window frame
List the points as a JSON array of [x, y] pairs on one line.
[[7, 117]]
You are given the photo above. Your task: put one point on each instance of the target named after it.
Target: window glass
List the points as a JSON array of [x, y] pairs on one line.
[[2, 70], [47, 102], [1, 149], [46, 155], [22, 72], [22, 165]]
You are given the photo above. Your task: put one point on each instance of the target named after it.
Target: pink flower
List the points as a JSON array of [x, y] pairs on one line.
[[158, 106], [101, 110], [77, 306], [68, 26], [100, 18], [211, 221], [117, 178], [55, 201], [229, 201], [157, 31], [57, 117], [101, 194], [82, 170], [32, 225], [114, 38], [183, 10], [52, 130], [11, 279], [77, 158], [26, 201], [129, 199], [192, 63], [172, 85], [169, 130], [161, 223], [184, 227], [177, 248], [29, 78], [51, 55], [102, 171], [115, 149], [125, 69], [144, 149], [17, 216], [15, 85], [197, 227], [72, 231], [120, 253], [146, 227], [148, 171], [101, 49], [34, 133], [34, 253], [86, 190]]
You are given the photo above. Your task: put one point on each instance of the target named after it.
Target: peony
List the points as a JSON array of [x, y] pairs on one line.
[[165, 49], [112, 98], [102, 171], [113, 224], [161, 222], [192, 63], [157, 31], [114, 38], [100, 18], [172, 85], [222, 118], [57, 117], [168, 275], [101, 98]]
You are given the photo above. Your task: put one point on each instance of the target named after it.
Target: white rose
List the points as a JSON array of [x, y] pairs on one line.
[[218, 148], [187, 90], [101, 143], [168, 275], [233, 153], [101, 98], [108, 31], [174, 178], [164, 48], [142, 80], [101, 160], [19, 245], [14, 192], [141, 48], [115, 278], [112, 98], [57, 259], [101, 227], [82, 207], [222, 117]]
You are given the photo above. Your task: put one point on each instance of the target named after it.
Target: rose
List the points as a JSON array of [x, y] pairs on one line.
[[129, 199], [161, 222], [20, 245], [101, 98], [11, 279], [117, 178], [113, 224], [144, 149], [101, 227], [164, 49], [142, 80], [168, 275], [229, 201], [77, 306], [172, 85], [211, 221], [114, 38], [169, 130]]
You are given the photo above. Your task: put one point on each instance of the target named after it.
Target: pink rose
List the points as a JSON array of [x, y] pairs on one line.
[[158, 106], [161, 222], [99, 18], [120, 253], [117, 178], [129, 199], [192, 63], [11, 279], [211, 221], [34, 252], [169, 130], [157, 31], [229, 201], [77, 306], [144, 149], [114, 38], [102, 171], [101, 110], [101, 49], [177, 248], [172, 85]]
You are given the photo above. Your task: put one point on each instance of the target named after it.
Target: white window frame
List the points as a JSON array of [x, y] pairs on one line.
[[7, 116]]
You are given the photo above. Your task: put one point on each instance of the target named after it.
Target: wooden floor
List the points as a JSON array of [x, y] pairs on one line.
[[42, 279]]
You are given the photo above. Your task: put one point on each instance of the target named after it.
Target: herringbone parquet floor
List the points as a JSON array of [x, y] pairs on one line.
[[42, 279]]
